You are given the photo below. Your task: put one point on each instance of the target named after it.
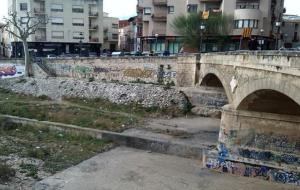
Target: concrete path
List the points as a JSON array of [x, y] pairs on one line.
[[130, 169]]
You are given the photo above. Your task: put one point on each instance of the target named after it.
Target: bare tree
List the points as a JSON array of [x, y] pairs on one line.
[[23, 28]]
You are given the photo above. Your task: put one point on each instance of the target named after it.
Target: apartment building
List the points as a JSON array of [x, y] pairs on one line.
[[110, 32], [157, 16], [74, 26], [128, 35], [290, 31]]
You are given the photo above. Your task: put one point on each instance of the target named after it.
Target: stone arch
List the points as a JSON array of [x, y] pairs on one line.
[[283, 88], [215, 73]]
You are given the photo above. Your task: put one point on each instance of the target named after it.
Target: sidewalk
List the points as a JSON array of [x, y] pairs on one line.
[[130, 169]]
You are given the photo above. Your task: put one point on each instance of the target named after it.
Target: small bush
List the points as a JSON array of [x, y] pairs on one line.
[[43, 97], [91, 79], [39, 153], [6, 173], [30, 170]]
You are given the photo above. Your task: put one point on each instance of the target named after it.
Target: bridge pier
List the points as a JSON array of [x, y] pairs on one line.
[[257, 144]]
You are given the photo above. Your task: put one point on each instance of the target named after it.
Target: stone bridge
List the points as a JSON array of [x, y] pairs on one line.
[[260, 125]]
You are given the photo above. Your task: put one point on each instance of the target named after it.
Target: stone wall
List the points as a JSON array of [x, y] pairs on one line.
[[57, 88], [128, 69]]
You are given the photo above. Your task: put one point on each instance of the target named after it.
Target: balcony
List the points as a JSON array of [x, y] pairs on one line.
[[94, 39], [93, 14], [160, 32], [159, 17], [160, 2], [40, 38], [91, 27], [39, 11]]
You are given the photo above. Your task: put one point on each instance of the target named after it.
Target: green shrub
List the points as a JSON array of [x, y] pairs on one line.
[[30, 170]]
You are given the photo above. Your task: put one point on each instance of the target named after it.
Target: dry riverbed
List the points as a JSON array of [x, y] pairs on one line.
[[29, 154]]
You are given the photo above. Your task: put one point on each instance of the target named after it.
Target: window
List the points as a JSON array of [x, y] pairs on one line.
[[171, 9], [57, 34], [115, 26], [247, 5], [57, 21], [77, 9], [57, 8], [115, 36], [78, 22], [246, 23], [147, 11], [192, 8], [23, 7], [78, 35]]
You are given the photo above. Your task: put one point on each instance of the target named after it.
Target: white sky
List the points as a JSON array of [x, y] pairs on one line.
[[127, 8]]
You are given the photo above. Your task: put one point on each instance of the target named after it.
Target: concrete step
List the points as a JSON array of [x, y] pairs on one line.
[[186, 137]]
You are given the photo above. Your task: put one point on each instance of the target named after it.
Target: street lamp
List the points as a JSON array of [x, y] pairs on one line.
[[262, 38], [202, 28], [156, 36], [277, 24]]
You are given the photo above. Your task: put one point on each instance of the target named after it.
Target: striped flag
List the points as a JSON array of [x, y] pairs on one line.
[[247, 32]]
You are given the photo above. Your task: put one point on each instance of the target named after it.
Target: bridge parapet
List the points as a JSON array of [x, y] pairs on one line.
[[259, 59]]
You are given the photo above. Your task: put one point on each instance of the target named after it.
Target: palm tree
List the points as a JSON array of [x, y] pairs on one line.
[[217, 26]]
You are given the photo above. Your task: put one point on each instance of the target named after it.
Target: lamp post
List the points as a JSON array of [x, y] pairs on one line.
[[202, 28], [262, 38], [156, 36], [277, 24], [80, 42]]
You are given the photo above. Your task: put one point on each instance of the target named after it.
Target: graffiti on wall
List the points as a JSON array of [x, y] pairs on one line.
[[10, 70], [83, 70], [248, 170], [223, 163], [138, 73]]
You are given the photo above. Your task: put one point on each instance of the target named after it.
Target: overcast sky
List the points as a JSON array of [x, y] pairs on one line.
[[127, 8]]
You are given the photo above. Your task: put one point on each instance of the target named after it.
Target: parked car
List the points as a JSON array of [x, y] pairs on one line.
[[117, 54], [51, 56], [136, 53], [93, 54], [146, 53]]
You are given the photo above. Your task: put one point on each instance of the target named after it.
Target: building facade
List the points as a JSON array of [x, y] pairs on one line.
[[157, 16], [290, 32], [128, 40], [74, 26], [110, 32]]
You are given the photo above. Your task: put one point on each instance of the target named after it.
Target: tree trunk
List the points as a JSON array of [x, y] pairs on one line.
[[28, 66]]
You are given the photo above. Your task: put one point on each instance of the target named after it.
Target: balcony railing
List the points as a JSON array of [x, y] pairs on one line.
[[159, 2], [93, 14], [91, 27], [94, 40], [160, 32], [39, 10], [159, 17]]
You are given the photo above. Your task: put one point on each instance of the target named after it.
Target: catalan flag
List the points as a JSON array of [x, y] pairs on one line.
[[247, 32]]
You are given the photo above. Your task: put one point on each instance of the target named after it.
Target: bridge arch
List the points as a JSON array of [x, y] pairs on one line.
[[213, 78], [266, 95]]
